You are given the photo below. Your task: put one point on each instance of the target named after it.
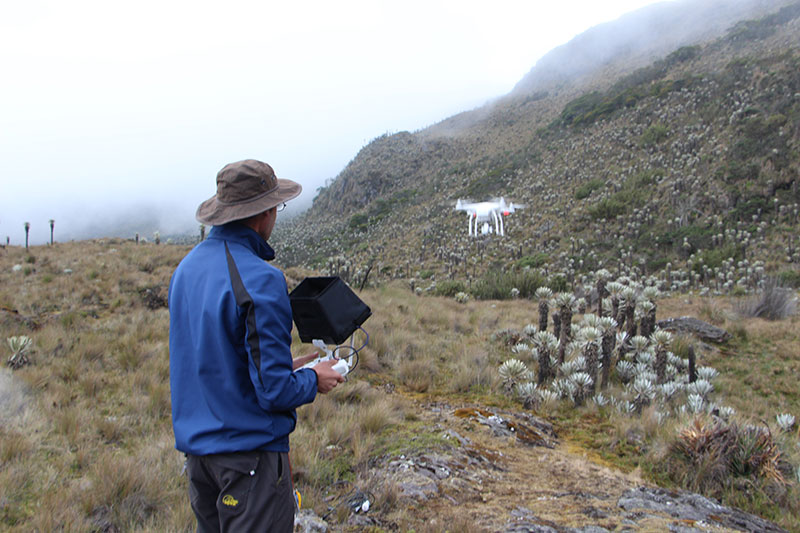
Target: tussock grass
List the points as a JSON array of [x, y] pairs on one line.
[[86, 440], [736, 462], [472, 373], [13, 445], [417, 376], [88, 445], [774, 302]]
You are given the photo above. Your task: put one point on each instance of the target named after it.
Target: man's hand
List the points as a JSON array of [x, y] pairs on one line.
[[297, 362], [327, 377]]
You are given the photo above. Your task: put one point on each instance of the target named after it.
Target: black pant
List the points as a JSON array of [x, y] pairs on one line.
[[241, 492]]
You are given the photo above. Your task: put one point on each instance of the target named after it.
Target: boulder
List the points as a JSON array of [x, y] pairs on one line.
[[695, 326]]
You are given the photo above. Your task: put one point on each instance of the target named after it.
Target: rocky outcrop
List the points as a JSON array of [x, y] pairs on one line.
[[693, 509], [695, 326]]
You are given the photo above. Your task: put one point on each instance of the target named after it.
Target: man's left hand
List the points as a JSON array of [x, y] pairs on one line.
[[297, 362]]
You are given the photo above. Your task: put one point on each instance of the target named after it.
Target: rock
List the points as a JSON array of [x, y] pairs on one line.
[[417, 486], [307, 521], [154, 297], [451, 434], [693, 507], [594, 512], [527, 429], [413, 480], [688, 324]]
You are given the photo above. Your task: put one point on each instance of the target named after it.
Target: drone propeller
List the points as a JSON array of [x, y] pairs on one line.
[[510, 208], [464, 204]]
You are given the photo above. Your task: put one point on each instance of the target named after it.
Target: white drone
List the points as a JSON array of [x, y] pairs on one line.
[[486, 212]]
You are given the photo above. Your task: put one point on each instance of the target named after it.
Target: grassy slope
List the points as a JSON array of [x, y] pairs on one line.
[[86, 443]]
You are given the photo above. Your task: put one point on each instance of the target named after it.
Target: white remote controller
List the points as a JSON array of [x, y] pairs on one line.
[[341, 365]]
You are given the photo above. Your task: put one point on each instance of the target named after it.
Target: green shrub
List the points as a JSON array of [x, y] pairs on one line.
[[585, 190], [698, 236], [653, 135], [492, 182], [608, 208], [758, 137], [632, 195], [498, 285], [558, 284], [358, 221], [580, 107], [642, 83], [738, 291], [749, 30], [713, 258], [790, 278], [380, 208], [746, 208], [737, 170], [532, 261], [449, 288], [656, 262], [682, 54]]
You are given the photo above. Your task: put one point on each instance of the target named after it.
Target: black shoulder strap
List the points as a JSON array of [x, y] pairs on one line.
[[244, 301]]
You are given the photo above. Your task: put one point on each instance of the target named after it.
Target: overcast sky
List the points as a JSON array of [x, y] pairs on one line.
[[112, 108]]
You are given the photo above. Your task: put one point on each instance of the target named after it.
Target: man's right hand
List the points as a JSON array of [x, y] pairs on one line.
[[327, 377]]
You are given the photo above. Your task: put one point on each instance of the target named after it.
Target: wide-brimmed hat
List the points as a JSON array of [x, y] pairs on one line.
[[244, 189]]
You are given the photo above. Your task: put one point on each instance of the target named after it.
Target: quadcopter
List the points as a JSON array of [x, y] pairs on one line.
[[486, 213]]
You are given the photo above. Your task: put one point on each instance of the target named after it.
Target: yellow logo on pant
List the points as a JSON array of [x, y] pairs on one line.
[[230, 501]]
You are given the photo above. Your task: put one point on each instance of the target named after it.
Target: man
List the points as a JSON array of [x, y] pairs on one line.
[[233, 382]]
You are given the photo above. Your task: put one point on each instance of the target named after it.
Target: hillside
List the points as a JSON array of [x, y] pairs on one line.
[[687, 163]]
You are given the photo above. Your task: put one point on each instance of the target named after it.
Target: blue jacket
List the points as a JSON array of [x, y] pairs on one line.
[[231, 378]]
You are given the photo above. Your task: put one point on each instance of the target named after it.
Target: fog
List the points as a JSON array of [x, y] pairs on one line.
[[115, 118]]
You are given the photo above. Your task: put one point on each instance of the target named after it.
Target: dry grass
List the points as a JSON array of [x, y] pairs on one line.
[[86, 441]]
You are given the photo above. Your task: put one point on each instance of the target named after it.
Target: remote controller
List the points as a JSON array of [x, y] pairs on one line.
[[341, 365]]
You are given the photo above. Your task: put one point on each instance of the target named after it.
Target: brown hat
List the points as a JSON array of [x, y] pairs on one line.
[[244, 189]]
